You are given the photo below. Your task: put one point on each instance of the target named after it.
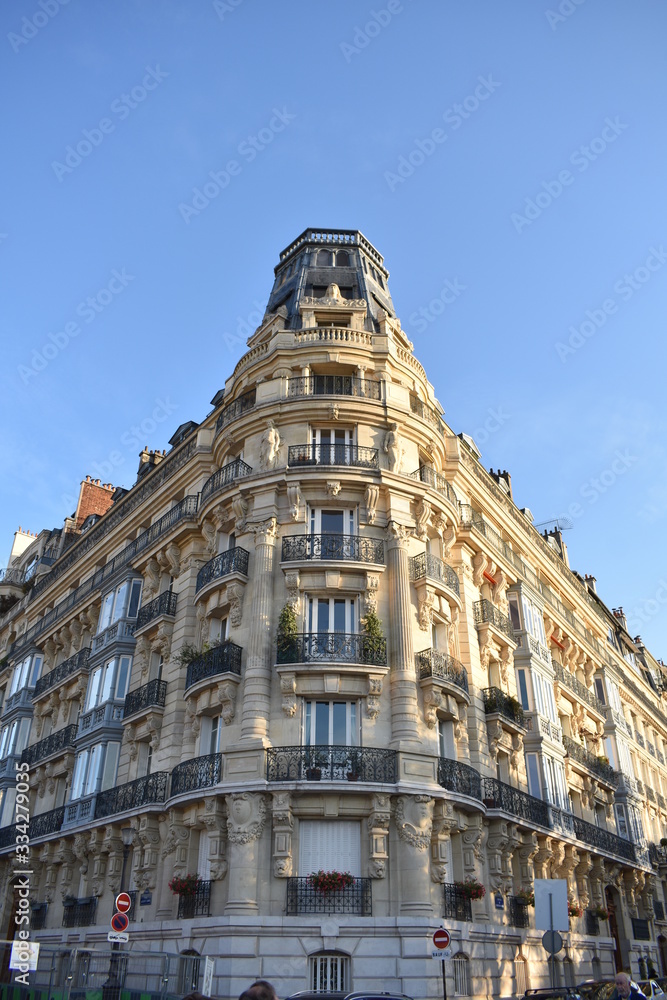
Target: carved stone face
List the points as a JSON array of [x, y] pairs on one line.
[[241, 810]]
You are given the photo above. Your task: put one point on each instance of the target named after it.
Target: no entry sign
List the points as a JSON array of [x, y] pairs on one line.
[[441, 938], [123, 902]]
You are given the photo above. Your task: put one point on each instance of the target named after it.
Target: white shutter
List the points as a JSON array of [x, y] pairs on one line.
[[203, 860], [331, 845]]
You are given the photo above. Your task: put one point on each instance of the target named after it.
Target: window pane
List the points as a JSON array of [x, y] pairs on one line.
[[322, 722], [121, 601], [90, 785], [533, 771], [107, 686], [322, 615], [123, 677], [36, 668], [105, 613], [523, 689], [93, 688], [339, 733], [79, 772], [339, 616], [135, 597], [110, 765], [332, 522]]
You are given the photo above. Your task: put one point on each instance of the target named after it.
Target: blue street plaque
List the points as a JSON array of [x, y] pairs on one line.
[[500, 902], [146, 898]]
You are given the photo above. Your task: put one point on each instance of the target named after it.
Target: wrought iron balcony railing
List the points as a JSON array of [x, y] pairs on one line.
[[79, 912], [302, 897], [436, 481], [336, 647], [334, 385], [572, 683], [7, 836], [458, 777], [62, 739], [165, 604], [499, 795], [604, 840], [236, 409], [224, 477], [331, 763], [151, 695], [425, 412], [660, 755], [222, 659], [232, 561], [200, 772], [12, 577], [457, 905], [517, 912], [427, 565], [434, 663], [342, 548], [486, 612], [197, 905], [132, 795], [596, 765], [504, 704], [333, 454], [77, 662], [47, 823]]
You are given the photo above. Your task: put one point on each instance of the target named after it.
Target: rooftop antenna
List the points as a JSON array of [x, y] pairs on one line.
[[560, 523]]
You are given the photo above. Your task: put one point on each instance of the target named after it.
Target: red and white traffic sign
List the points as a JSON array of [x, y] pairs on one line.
[[441, 938], [123, 902], [120, 922]]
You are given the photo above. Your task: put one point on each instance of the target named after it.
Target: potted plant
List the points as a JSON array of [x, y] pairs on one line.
[[185, 885], [574, 909], [471, 888], [332, 881], [601, 913], [314, 763], [373, 642], [287, 634], [526, 895]]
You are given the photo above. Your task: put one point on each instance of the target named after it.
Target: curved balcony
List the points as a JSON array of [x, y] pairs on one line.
[[152, 788], [342, 548], [458, 777], [333, 454], [331, 763], [334, 385], [151, 695], [77, 662], [200, 772], [499, 795], [598, 766], [223, 659], [302, 897], [572, 683], [334, 647], [442, 666], [437, 482], [61, 740], [236, 409], [426, 412], [232, 561], [487, 613], [497, 702], [224, 477], [427, 570], [165, 604]]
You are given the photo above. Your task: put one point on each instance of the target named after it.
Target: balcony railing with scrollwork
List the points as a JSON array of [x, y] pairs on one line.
[[151, 695], [331, 763], [12, 577], [457, 906], [302, 897], [222, 659], [79, 912], [425, 412], [334, 547], [426, 565], [144, 791], [603, 839], [224, 477], [517, 912], [458, 777], [200, 772], [236, 409], [334, 385], [165, 604], [336, 647], [434, 663], [436, 481], [197, 905], [333, 454], [488, 613], [499, 795], [47, 823], [62, 739], [504, 704], [599, 767], [77, 662], [232, 561], [572, 683]]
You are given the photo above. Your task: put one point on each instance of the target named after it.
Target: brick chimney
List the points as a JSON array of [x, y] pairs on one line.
[[94, 498], [504, 480], [620, 615]]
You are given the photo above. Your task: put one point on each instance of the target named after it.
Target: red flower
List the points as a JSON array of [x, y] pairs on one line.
[[332, 881]]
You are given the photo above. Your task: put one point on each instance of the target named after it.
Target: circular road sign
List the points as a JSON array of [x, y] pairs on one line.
[[120, 922], [552, 942], [123, 902], [441, 938]]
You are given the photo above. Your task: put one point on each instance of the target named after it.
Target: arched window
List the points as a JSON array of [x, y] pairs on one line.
[[324, 258], [188, 971], [461, 966], [568, 969], [342, 259], [328, 971]]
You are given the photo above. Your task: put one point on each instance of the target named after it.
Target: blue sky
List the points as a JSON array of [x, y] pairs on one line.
[[540, 199]]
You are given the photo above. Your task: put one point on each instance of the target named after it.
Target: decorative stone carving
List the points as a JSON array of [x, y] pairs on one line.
[[292, 583], [373, 696], [240, 508], [423, 519], [246, 816], [393, 448], [370, 597], [269, 447], [288, 692], [414, 820], [378, 832], [294, 500], [425, 614], [210, 533], [235, 597], [333, 487], [479, 564], [226, 692], [334, 411], [371, 500], [397, 535], [151, 579], [283, 823], [265, 532], [444, 822]]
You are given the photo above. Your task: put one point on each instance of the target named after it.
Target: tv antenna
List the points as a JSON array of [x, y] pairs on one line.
[[560, 523]]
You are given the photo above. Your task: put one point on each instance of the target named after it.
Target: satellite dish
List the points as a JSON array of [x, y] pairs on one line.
[[560, 523]]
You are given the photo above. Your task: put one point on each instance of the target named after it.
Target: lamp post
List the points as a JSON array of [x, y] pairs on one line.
[[112, 987]]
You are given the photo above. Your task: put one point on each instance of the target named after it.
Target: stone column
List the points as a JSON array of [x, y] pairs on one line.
[[414, 824], [257, 686], [402, 673], [246, 819]]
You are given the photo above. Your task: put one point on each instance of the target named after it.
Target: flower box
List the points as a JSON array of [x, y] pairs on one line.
[[332, 881]]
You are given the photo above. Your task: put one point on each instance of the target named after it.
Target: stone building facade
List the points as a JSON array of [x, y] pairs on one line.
[[317, 635]]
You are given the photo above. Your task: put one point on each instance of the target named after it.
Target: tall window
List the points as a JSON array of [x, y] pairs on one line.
[[210, 739], [331, 522], [331, 445], [123, 602], [14, 738], [329, 971], [446, 741], [95, 769], [331, 614], [333, 845], [25, 673], [108, 682], [330, 723], [544, 696]]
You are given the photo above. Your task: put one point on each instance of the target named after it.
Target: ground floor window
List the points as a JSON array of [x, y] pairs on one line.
[[329, 971], [461, 966]]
